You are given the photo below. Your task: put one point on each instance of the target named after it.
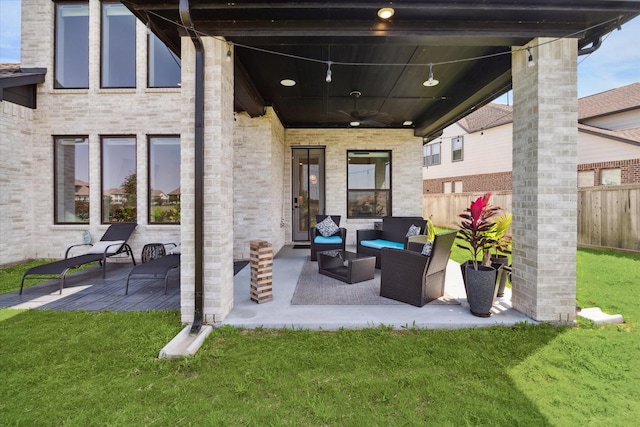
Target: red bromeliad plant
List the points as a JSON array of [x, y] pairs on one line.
[[476, 229]]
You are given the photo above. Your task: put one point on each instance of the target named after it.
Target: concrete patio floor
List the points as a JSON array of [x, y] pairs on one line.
[[87, 290], [279, 313]]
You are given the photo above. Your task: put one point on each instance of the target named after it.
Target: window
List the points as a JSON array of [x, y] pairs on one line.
[[118, 46], [456, 149], [586, 178], [432, 154], [368, 184], [71, 46], [164, 65], [119, 179], [457, 187], [611, 176], [447, 187], [71, 180], [164, 180]]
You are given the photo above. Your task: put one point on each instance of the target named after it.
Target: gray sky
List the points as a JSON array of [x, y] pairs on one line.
[[615, 64]]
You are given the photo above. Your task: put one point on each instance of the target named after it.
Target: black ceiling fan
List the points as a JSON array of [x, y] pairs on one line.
[[357, 117]]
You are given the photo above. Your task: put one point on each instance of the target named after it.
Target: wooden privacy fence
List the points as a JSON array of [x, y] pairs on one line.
[[608, 216], [445, 208]]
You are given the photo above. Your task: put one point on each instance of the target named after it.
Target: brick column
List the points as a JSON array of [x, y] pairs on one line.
[[218, 182], [545, 139]]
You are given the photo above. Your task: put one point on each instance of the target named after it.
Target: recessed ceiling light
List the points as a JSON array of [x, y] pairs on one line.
[[407, 123], [386, 12], [354, 124], [287, 82]]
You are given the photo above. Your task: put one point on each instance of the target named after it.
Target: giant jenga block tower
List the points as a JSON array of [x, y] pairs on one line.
[[261, 263]]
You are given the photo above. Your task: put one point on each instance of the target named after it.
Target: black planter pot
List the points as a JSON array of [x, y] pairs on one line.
[[501, 278], [481, 288]]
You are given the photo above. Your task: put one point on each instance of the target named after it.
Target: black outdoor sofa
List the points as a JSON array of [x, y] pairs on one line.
[[113, 242]]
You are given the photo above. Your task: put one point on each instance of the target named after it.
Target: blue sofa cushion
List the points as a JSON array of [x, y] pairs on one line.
[[379, 244], [331, 240]]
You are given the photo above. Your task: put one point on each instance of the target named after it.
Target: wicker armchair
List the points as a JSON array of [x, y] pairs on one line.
[[413, 278], [320, 243]]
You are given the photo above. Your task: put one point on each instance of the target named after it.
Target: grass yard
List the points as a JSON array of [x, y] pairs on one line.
[[85, 369]]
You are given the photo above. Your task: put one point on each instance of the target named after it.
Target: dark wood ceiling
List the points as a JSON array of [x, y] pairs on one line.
[[386, 61]]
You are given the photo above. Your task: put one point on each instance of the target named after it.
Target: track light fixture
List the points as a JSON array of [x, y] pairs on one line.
[[328, 78], [431, 81], [530, 61]]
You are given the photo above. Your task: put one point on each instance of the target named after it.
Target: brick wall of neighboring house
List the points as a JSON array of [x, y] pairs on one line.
[[470, 183], [629, 170]]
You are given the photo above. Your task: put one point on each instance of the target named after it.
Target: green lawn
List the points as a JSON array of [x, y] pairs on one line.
[[85, 369]]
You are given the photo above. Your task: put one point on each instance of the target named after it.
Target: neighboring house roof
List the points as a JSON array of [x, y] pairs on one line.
[[114, 191], [19, 85], [491, 115], [82, 191], [158, 193], [613, 101], [175, 192]]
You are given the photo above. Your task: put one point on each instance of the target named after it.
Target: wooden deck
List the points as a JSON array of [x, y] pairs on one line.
[[87, 290]]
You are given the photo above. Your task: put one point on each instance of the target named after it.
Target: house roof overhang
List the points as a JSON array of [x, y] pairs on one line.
[[468, 43], [19, 85]]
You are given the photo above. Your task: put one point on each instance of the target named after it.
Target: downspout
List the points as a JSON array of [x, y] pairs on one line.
[[594, 46], [185, 16]]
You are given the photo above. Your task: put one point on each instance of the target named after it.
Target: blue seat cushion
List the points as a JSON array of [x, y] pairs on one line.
[[379, 244], [331, 240]]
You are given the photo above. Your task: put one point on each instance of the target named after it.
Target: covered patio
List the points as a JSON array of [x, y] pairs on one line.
[[87, 290]]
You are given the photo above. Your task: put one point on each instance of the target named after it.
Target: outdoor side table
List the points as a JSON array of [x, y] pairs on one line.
[[348, 267]]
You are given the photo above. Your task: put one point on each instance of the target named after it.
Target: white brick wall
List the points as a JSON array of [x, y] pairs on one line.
[[16, 171], [545, 181], [406, 167], [93, 112], [247, 162]]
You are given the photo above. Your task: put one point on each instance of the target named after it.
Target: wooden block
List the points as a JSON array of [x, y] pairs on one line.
[[261, 265]]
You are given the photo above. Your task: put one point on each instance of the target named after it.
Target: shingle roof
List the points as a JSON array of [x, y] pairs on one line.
[[612, 101], [609, 102], [491, 115]]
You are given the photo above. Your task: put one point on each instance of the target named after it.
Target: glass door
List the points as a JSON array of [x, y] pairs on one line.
[[308, 190]]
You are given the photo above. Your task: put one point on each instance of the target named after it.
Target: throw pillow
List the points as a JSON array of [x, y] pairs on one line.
[[100, 246], [327, 227], [427, 248], [413, 231], [176, 251]]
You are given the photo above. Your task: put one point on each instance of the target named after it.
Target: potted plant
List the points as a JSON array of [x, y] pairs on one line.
[[478, 232], [501, 247]]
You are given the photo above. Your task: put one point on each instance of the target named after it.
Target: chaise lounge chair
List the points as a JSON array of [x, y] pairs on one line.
[[113, 242], [158, 266]]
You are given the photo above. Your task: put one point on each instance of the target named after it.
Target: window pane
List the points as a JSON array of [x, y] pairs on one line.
[[164, 180], [72, 46], [119, 179], [164, 65], [369, 184], [611, 176], [456, 149], [71, 191], [118, 46]]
